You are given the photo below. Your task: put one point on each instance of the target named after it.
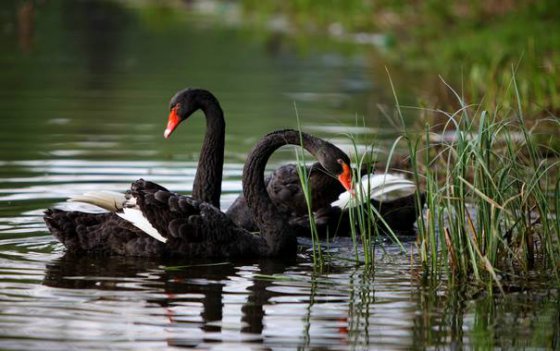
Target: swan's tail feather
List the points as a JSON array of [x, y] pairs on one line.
[[78, 231], [109, 200]]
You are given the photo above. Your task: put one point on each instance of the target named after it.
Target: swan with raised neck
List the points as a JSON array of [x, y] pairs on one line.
[[207, 185]]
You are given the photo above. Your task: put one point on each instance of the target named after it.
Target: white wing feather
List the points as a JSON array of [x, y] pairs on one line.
[[136, 218], [380, 187], [124, 208]]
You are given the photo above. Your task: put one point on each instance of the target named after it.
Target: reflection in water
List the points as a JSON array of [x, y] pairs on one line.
[[98, 27], [286, 304], [26, 25], [53, 301], [183, 290]]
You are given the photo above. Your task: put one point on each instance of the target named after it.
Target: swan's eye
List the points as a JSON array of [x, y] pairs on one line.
[[342, 163]]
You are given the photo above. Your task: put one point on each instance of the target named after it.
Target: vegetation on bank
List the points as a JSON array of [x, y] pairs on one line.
[[492, 189], [493, 195], [475, 41]]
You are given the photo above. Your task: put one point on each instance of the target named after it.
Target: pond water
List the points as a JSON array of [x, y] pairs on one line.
[[84, 87]]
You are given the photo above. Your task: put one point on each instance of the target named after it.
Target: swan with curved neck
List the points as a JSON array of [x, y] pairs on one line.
[[272, 223]]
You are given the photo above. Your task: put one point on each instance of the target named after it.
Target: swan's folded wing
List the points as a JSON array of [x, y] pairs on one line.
[[146, 186], [162, 208], [194, 227]]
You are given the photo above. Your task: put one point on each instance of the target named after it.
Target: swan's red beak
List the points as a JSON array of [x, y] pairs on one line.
[[345, 178], [172, 122]]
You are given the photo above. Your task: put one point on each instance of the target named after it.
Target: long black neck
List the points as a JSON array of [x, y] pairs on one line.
[[207, 184], [273, 225]]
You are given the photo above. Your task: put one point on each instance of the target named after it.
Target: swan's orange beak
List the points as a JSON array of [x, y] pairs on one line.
[[345, 178], [172, 122]]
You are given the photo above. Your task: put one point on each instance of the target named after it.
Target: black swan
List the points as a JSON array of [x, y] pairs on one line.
[[177, 225], [207, 185], [392, 196]]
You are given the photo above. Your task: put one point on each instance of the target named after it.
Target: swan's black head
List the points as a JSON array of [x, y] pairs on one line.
[[184, 103], [335, 162]]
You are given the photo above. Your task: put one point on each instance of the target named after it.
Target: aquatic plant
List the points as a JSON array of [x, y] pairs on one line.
[[492, 192], [306, 188], [364, 220]]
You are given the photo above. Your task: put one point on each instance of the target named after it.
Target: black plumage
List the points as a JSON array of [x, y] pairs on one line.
[[192, 227]]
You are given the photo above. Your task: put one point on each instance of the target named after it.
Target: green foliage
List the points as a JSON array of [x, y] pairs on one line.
[[474, 40], [306, 188], [491, 195]]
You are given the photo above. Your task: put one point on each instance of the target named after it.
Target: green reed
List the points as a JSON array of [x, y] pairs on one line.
[[362, 218], [492, 193], [366, 221], [306, 188]]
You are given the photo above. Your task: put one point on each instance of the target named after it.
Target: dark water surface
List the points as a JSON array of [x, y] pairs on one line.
[[84, 87]]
